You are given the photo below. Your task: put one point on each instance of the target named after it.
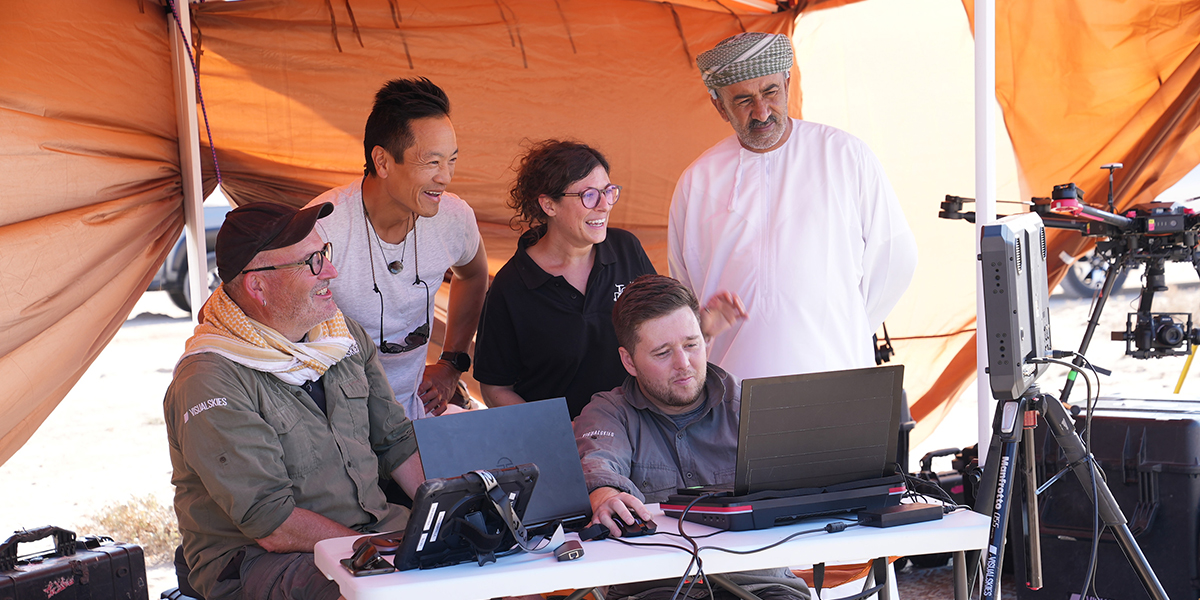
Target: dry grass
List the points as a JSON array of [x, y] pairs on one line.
[[145, 522]]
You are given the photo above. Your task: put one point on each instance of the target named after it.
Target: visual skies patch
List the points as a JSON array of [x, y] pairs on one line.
[[203, 406]]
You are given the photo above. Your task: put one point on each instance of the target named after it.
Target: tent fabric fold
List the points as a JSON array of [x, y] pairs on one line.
[[91, 188]]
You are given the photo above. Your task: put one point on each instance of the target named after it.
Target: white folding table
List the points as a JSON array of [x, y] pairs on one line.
[[610, 562]]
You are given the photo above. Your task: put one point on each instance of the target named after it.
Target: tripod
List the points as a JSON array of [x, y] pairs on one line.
[[1012, 430]]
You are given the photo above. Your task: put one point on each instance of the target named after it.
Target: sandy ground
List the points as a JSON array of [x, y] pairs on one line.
[[106, 443]]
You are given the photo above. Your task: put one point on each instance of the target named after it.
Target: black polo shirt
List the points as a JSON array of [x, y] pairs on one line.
[[541, 336]]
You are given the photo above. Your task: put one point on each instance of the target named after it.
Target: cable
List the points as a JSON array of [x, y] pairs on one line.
[[913, 483], [828, 528], [695, 551], [199, 94], [1090, 400], [1090, 579], [1073, 367], [650, 544], [940, 495], [695, 537]]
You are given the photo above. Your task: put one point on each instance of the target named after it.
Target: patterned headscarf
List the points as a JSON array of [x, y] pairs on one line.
[[745, 56]]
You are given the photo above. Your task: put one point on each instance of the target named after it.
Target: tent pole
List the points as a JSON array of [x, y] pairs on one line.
[[985, 193], [189, 156]]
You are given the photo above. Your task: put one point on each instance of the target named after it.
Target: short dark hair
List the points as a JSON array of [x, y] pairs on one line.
[[549, 167], [649, 297], [397, 103]]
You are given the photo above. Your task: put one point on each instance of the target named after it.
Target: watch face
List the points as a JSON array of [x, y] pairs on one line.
[[459, 360]]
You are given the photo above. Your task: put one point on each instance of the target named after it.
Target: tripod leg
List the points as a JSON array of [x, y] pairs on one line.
[[1061, 425], [1023, 528], [995, 492], [1003, 504], [1032, 526], [985, 495]]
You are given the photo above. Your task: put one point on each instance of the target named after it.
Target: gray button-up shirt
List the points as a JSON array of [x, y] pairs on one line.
[[627, 443]]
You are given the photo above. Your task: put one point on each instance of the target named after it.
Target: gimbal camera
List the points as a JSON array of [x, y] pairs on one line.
[[1148, 234], [1012, 259]]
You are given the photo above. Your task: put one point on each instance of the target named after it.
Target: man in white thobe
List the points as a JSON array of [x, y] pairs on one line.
[[796, 218]]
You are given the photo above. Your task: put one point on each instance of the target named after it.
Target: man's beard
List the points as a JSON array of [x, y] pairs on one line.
[[762, 140], [671, 396]]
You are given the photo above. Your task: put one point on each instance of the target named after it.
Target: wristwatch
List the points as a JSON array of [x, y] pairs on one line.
[[461, 361]]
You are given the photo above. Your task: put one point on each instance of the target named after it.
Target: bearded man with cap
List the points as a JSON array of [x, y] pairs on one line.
[[797, 218], [279, 417]]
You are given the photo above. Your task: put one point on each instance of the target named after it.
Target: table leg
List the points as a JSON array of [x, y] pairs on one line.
[[960, 575], [880, 576]]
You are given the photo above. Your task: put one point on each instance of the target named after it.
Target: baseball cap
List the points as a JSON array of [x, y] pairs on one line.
[[260, 226]]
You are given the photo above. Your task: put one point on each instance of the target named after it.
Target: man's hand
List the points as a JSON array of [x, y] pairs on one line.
[[607, 501], [437, 387], [720, 313], [468, 287]]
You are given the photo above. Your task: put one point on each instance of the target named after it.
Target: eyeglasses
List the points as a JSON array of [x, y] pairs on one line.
[[590, 197], [315, 261], [417, 338]]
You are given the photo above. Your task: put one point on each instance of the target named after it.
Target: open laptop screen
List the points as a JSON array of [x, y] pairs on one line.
[[502, 437], [818, 429]]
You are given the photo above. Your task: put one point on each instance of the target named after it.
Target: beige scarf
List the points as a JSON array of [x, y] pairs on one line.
[[224, 329]]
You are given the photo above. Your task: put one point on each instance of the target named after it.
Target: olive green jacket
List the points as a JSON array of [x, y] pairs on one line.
[[247, 448]]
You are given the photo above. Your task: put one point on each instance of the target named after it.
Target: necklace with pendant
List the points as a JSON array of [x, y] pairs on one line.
[[396, 266]]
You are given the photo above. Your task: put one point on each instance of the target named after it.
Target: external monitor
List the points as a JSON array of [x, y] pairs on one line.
[[1015, 301]]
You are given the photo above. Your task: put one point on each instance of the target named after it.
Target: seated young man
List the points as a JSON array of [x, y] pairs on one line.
[[279, 417], [672, 424]]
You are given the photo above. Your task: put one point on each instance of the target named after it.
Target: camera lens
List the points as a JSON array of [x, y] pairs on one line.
[[1170, 335], [1167, 333]]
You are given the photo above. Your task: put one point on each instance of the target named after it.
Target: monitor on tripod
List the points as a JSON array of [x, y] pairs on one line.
[[1015, 302]]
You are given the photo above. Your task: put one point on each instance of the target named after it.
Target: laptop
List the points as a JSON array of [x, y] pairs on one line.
[[808, 445], [503, 437]]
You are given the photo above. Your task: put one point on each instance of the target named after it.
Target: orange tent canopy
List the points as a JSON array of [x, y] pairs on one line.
[[92, 179]]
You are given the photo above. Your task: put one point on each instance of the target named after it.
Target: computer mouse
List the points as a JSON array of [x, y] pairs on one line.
[[637, 528], [594, 532]]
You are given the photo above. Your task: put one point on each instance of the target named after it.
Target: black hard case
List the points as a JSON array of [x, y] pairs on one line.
[[94, 568], [1150, 454]]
